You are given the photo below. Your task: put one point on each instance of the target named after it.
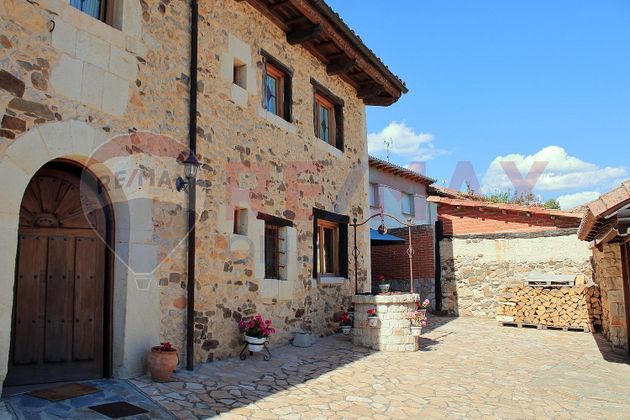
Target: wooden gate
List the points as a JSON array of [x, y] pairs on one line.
[[59, 315]]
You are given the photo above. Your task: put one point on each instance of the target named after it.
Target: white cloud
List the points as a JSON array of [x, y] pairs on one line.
[[569, 201], [406, 143], [562, 172]]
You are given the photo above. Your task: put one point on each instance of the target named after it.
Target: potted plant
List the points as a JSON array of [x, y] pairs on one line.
[[346, 323], [372, 317], [162, 362], [382, 286], [418, 318], [257, 331]]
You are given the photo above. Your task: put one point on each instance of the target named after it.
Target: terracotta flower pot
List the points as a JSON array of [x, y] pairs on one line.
[[162, 364]]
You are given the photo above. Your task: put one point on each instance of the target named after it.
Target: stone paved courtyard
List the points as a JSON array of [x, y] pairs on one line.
[[466, 368]]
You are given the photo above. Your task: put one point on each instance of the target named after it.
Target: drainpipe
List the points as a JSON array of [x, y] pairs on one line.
[[439, 235], [192, 189]]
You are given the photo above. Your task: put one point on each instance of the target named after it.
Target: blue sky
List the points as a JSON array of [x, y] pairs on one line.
[[495, 80]]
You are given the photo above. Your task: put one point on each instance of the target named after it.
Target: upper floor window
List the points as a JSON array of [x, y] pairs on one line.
[[407, 204], [327, 116], [276, 88], [373, 195], [325, 120], [99, 9]]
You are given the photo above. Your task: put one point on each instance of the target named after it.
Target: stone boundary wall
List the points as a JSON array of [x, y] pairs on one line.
[[476, 268], [576, 307]]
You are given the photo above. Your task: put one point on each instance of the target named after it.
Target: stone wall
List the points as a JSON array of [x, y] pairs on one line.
[[257, 161], [476, 268], [608, 275], [392, 333], [65, 92]]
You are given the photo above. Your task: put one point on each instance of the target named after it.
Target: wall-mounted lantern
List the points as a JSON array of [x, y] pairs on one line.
[[191, 164]]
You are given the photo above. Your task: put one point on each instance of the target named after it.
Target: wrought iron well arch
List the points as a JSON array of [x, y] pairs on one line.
[[382, 229]]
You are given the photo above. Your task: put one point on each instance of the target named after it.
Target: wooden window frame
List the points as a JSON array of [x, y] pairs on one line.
[[324, 97], [279, 76], [322, 225], [284, 86], [323, 102]]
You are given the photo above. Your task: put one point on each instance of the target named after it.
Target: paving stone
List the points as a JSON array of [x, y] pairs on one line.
[[465, 368]]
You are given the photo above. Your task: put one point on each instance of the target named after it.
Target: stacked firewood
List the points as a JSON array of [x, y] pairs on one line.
[[573, 307]]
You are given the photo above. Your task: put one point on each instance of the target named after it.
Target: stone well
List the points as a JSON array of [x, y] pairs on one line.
[[392, 332]]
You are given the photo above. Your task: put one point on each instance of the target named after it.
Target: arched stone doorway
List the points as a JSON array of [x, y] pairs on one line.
[[61, 323]]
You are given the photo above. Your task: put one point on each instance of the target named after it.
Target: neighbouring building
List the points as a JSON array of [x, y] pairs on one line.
[[486, 247], [95, 99], [606, 226], [402, 193]]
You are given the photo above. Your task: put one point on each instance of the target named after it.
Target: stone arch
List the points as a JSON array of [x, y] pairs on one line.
[[74, 141]]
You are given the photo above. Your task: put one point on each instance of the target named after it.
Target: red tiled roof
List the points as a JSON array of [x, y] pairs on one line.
[[502, 206]]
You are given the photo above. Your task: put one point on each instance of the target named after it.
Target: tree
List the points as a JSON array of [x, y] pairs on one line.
[[552, 204]]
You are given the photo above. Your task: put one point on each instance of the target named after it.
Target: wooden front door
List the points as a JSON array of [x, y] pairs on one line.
[[59, 306]]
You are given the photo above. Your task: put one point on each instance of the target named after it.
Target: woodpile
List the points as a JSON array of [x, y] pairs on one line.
[[573, 307]]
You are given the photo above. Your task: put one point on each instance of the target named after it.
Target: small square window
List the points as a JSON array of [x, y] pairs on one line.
[[239, 75], [240, 221]]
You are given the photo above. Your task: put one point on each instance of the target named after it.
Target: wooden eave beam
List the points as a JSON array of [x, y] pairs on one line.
[[605, 237], [279, 5], [370, 90], [380, 100], [341, 67], [343, 44], [265, 10], [304, 35]]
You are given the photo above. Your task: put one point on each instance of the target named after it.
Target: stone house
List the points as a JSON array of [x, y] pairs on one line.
[[606, 227], [402, 193], [485, 247], [100, 106]]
